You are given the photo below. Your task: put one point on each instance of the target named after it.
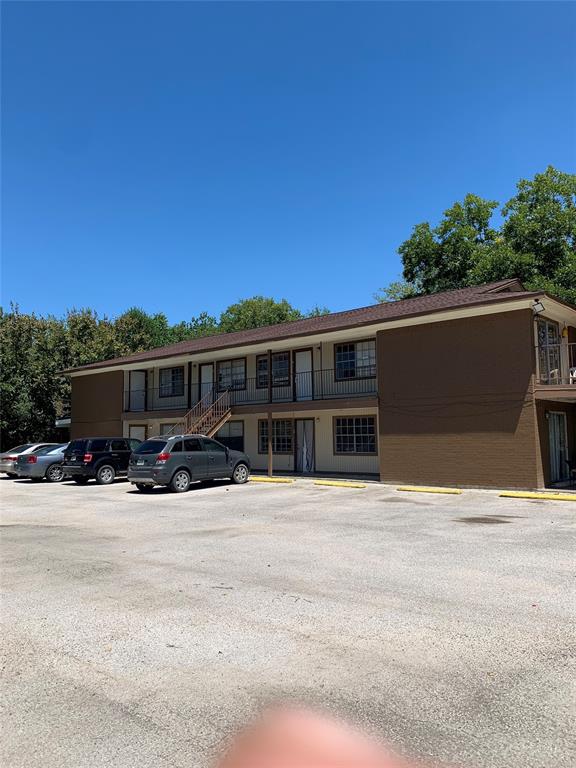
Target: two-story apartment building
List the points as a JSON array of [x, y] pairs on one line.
[[472, 387]]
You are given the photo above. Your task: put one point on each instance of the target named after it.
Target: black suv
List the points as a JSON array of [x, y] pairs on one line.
[[104, 458]]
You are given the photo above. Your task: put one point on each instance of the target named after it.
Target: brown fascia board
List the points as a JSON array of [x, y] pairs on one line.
[[483, 300]]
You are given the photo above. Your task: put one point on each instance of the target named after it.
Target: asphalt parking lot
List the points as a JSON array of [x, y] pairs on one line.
[[140, 630]]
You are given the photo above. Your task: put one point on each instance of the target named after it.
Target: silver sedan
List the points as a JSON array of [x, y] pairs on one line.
[[45, 463], [9, 458]]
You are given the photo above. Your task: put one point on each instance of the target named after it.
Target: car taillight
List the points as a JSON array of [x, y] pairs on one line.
[[12, 458], [87, 457], [32, 459], [162, 458]]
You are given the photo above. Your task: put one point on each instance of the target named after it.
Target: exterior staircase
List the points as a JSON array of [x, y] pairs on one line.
[[208, 415]]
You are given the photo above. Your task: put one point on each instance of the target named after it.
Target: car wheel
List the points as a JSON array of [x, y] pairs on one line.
[[180, 481], [105, 475], [55, 473], [144, 487], [240, 474], [11, 474], [80, 480]]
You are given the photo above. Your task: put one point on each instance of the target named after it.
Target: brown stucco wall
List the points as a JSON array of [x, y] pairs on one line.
[[542, 406], [456, 402], [97, 405]]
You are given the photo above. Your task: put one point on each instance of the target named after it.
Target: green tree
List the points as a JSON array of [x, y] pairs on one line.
[[201, 325], [31, 389], [255, 313], [136, 331], [536, 242]]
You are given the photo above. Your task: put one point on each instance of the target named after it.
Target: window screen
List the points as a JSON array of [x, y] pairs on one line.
[[171, 382], [356, 360], [232, 374], [282, 436], [232, 435], [280, 370], [355, 435]]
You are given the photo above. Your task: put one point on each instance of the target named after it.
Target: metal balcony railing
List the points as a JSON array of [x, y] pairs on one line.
[[556, 364], [328, 384]]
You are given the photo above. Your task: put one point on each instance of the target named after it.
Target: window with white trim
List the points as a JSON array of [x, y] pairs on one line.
[[356, 360], [355, 434]]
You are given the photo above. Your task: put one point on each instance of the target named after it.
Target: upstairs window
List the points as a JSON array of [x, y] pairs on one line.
[[356, 360], [172, 382], [280, 370], [232, 374]]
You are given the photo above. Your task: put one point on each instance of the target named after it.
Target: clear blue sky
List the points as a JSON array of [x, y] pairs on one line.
[[181, 156]]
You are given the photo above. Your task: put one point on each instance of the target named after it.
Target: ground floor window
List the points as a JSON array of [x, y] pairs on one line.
[[355, 434], [165, 429], [232, 435], [137, 431], [282, 436]]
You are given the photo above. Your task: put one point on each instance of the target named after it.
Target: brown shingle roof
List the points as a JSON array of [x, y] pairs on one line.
[[503, 290]]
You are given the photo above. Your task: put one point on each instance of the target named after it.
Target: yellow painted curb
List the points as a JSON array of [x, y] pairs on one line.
[[424, 489], [546, 496], [271, 480], [339, 484]]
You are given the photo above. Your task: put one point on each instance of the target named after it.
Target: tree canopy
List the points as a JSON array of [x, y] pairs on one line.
[[535, 241]]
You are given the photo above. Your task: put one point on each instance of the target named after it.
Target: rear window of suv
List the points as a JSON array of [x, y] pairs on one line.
[[97, 445], [151, 446], [77, 446]]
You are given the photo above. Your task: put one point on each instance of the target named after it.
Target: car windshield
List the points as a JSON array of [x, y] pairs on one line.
[[20, 448], [151, 446]]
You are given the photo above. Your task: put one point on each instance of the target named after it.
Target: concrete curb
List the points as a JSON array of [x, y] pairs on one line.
[[536, 495], [271, 480], [424, 489]]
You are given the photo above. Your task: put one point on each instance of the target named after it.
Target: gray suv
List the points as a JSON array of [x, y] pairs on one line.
[[178, 460]]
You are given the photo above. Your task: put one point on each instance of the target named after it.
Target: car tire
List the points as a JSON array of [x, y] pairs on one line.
[[144, 487], [11, 474], [241, 474], [80, 480], [54, 473], [180, 481], [105, 475]]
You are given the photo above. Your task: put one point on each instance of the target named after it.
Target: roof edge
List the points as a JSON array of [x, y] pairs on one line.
[[503, 296]]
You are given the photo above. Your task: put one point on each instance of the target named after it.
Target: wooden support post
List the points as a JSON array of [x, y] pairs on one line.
[[270, 446], [270, 454]]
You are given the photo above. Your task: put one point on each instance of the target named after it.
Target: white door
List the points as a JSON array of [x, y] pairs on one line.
[[206, 379], [137, 391], [558, 433], [303, 374], [137, 431]]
